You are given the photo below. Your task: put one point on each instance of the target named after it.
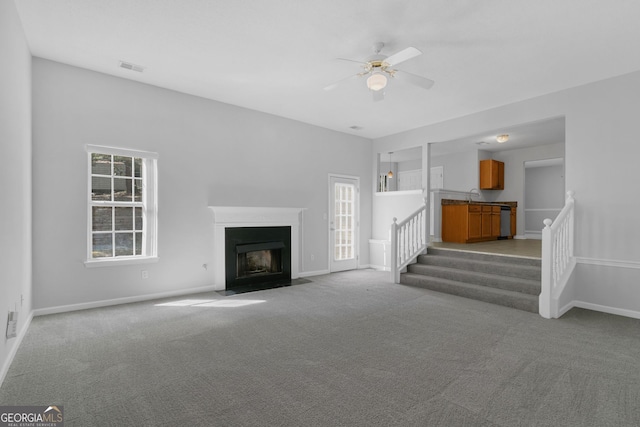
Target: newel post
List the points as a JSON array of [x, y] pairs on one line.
[[544, 301], [395, 276]]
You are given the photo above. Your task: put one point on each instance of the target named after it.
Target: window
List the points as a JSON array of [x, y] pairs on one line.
[[122, 206]]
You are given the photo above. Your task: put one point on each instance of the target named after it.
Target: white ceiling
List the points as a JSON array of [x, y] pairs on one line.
[[276, 56]]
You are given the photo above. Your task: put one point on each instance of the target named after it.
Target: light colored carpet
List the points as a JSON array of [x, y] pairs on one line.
[[348, 349]]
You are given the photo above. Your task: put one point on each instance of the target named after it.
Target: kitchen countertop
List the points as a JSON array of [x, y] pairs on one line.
[[476, 202]]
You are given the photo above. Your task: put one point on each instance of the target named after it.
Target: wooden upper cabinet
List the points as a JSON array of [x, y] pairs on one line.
[[491, 175]]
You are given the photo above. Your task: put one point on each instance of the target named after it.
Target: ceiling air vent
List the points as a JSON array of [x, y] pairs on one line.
[[132, 67], [356, 127]]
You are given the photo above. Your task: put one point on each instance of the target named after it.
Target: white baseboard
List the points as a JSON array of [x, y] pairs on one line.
[[313, 273], [566, 308], [380, 267], [14, 349], [602, 308], [529, 235], [608, 262], [117, 301]]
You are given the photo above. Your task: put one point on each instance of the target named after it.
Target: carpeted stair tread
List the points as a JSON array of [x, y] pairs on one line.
[[483, 256], [500, 266], [499, 279], [503, 297], [517, 284]]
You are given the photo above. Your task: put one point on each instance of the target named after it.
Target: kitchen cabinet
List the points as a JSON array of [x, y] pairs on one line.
[[491, 175], [472, 222], [513, 221]]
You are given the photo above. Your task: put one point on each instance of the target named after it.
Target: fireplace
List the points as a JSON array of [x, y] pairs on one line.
[[257, 255], [241, 217]]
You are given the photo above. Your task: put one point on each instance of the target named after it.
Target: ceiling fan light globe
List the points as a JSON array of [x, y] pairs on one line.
[[376, 82]]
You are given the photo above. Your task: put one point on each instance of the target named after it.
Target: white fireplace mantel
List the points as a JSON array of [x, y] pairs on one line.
[[242, 216]]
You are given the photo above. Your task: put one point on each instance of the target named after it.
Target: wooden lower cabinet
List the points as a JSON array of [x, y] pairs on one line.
[[466, 223], [474, 224]]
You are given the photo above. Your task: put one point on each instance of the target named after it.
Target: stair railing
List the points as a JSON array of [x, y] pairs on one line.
[[558, 260], [408, 240]]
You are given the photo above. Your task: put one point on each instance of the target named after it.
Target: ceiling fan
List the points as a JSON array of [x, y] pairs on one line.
[[379, 68]]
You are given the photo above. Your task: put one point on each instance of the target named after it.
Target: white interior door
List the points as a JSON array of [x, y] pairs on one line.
[[343, 223]]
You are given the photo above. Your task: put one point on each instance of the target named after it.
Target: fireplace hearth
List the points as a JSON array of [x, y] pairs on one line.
[[257, 255]]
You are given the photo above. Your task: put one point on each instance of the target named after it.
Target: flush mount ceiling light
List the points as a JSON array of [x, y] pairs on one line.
[[376, 81], [502, 138]]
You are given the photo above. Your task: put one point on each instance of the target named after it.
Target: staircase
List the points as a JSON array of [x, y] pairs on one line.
[[506, 280]]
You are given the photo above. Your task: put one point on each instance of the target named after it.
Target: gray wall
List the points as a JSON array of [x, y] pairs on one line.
[[209, 154], [15, 176], [460, 169]]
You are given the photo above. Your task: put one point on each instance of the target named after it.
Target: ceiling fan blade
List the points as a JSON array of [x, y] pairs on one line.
[[403, 55], [378, 95], [339, 82], [352, 60], [419, 81]]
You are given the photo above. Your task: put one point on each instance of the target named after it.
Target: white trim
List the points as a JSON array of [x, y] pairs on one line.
[[606, 309], [243, 216], [537, 235], [118, 301], [149, 205], [609, 262], [14, 349], [313, 273], [398, 193], [115, 151], [566, 308], [117, 261], [330, 250]]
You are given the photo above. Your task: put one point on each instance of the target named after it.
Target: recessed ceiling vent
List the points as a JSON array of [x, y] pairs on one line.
[[132, 67]]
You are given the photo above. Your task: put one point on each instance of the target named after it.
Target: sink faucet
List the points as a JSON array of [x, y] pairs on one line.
[[472, 192]]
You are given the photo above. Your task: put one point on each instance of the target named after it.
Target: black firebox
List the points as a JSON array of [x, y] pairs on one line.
[[256, 255]]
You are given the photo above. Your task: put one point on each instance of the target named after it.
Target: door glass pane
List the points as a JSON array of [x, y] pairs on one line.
[[344, 222], [102, 245]]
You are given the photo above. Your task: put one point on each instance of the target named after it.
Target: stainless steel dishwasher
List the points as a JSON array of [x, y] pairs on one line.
[[505, 222]]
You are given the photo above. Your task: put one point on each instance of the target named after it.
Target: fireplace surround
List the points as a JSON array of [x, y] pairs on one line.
[[228, 217]]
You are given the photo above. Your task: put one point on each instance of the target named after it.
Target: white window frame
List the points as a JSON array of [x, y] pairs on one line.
[[149, 204]]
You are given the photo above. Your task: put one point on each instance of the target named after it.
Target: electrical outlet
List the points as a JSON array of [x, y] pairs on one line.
[[12, 324], [144, 274]]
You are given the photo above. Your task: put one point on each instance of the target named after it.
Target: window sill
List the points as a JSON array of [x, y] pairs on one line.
[[112, 262]]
